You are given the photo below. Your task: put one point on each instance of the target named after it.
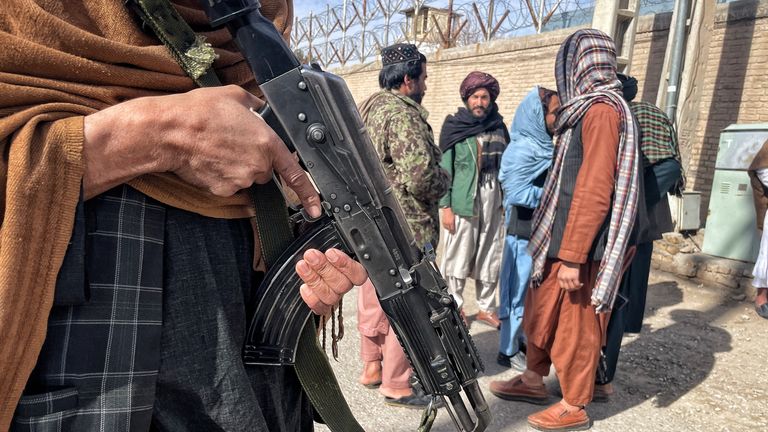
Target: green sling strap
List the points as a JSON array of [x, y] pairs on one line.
[[196, 56]]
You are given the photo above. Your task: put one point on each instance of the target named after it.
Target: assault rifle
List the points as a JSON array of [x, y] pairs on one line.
[[315, 115]]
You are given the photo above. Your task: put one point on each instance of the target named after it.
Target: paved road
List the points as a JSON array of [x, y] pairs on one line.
[[700, 364]]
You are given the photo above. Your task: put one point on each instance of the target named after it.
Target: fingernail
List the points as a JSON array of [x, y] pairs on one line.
[[314, 211], [312, 257], [333, 255], [302, 267]]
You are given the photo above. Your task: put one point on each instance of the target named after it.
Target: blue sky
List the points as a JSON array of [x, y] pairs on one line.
[[302, 7]]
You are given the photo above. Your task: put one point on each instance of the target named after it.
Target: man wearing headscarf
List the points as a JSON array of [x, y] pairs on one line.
[[580, 234], [662, 173], [473, 141], [524, 168]]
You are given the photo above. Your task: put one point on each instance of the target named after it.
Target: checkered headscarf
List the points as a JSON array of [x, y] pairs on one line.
[[586, 74]]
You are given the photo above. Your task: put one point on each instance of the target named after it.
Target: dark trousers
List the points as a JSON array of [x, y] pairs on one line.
[[147, 329], [659, 179], [635, 279]]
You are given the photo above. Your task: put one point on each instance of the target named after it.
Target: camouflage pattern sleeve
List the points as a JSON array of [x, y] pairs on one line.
[[447, 164], [418, 169]]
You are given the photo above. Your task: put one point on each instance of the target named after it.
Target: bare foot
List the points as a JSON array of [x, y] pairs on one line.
[[606, 389], [371, 374], [762, 297], [532, 379]]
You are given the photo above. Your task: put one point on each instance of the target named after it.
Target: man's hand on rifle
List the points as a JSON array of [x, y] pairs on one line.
[[213, 139], [327, 277], [209, 137]]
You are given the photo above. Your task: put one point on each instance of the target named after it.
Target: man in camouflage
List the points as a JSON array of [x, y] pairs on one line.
[[399, 130], [403, 139]]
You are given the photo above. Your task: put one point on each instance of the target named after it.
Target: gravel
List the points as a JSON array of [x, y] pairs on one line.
[[699, 364]]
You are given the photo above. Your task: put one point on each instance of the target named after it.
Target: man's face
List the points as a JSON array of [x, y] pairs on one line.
[[478, 102], [416, 88], [550, 116]]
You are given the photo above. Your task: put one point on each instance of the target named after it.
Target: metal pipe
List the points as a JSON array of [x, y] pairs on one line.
[[678, 47]]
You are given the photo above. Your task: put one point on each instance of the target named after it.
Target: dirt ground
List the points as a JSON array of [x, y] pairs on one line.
[[699, 364]]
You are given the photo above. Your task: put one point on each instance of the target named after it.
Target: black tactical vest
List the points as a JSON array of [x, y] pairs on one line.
[[521, 218]]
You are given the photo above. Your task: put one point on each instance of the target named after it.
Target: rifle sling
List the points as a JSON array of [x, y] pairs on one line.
[[312, 366]]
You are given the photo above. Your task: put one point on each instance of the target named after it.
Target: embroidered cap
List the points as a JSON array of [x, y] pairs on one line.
[[399, 53]]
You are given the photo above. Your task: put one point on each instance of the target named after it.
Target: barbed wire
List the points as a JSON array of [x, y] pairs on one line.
[[354, 31]]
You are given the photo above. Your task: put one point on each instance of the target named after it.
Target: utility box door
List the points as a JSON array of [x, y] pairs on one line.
[[731, 230], [685, 210]]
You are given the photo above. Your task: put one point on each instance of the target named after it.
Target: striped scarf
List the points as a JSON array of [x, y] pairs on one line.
[[493, 144], [586, 74]]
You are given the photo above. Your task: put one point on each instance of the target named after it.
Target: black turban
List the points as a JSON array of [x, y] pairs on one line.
[[629, 86]]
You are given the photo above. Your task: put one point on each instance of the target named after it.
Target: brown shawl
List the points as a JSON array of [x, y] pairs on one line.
[[61, 60], [759, 190]]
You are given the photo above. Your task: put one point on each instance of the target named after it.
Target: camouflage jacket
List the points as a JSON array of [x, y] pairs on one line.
[[403, 139]]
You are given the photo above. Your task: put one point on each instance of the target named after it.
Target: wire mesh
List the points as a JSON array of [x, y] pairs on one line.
[[346, 32]]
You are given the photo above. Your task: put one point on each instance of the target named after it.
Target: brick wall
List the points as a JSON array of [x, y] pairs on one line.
[[735, 85], [648, 54], [518, 64]]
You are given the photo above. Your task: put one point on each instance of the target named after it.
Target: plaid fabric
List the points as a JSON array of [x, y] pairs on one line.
[[585, 70], [658, 140], [147, 329], [99, 364]]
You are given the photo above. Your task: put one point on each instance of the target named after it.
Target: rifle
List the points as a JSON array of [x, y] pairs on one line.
[[315, 115]]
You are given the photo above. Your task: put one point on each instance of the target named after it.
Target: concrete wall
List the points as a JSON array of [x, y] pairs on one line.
[[735, 85]]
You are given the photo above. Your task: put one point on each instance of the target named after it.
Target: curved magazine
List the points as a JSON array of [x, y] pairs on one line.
[[280, 314]]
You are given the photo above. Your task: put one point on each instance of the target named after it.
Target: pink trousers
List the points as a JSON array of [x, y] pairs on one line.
[[378, 342]]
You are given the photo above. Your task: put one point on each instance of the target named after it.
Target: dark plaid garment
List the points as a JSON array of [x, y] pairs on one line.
[[658, 140], [99, 364], [147, 329]]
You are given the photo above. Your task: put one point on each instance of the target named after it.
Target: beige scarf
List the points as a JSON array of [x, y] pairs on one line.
[[61, 60]]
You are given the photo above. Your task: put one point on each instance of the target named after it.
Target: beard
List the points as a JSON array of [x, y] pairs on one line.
[[479, 111], [417, 96]]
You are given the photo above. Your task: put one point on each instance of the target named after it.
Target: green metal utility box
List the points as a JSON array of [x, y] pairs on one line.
[[731, 231]]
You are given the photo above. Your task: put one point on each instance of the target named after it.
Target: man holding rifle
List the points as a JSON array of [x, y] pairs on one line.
[[127, 240]]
